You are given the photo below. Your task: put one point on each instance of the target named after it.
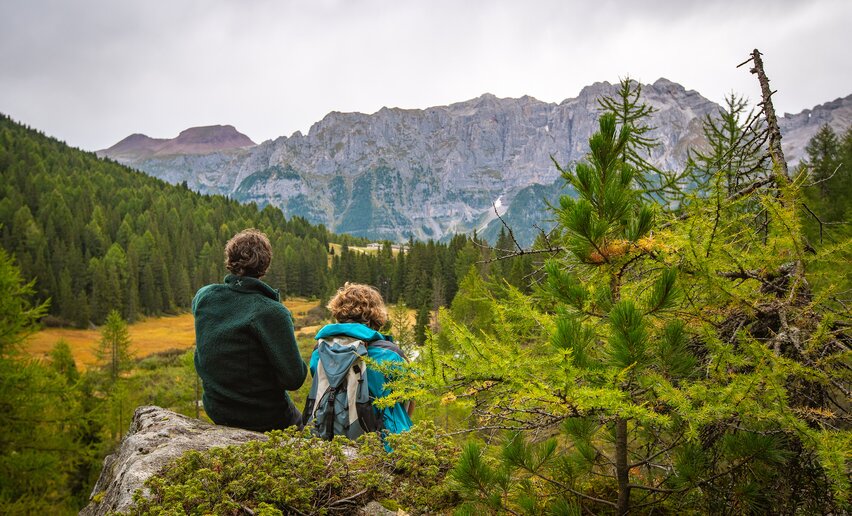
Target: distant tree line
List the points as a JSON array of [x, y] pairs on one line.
[[428, 273]]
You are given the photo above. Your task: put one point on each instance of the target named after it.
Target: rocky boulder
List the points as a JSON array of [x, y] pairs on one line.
[[156, 437]]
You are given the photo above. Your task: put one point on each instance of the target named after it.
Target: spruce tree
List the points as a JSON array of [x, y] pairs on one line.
[[421, 324], [823, 151], [113, 352]]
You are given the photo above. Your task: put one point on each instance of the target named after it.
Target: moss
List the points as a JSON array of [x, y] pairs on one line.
[[294, 472], [389, 504]]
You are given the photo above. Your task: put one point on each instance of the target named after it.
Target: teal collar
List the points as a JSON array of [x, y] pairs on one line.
[[354, 330], [251, 285]]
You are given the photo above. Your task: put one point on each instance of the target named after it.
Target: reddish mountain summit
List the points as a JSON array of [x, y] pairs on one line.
[[195, 140]]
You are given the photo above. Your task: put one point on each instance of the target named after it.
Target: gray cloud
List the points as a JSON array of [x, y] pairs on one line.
[[91, 72]]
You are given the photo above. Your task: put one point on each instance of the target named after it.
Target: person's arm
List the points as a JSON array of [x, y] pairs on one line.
[[275, 333]]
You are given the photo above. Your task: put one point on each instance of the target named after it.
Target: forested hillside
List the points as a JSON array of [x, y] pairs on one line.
[[95, 235]]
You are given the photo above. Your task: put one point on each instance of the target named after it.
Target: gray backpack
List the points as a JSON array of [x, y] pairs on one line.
[[339, 402]]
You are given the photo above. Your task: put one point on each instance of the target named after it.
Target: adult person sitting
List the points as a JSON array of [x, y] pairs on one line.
[[360, 313], [246, 352]]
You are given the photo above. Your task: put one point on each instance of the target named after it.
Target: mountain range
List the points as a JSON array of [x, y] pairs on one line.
[[430, 173]]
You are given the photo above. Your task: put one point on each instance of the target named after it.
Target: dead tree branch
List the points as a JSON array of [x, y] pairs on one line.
[[780, 164]]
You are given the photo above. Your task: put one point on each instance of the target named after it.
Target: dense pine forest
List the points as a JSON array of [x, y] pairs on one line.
[[678, 344]]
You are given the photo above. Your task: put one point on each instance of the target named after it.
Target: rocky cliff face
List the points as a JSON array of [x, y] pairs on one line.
[[798, 129], [429, 173]]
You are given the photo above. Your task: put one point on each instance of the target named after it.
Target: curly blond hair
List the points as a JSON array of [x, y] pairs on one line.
[[248, 253], [355, 302]]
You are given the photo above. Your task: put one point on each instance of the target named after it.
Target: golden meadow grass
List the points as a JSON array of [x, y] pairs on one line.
[[147, 337]]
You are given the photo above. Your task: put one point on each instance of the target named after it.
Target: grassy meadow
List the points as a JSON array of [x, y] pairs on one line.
[[149, 336], [164, 374]]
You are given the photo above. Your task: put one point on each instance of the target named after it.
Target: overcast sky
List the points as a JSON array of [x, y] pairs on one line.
[[92, 72]]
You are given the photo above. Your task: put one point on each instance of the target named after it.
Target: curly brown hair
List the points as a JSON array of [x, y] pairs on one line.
[[248, 253], [355, 302]]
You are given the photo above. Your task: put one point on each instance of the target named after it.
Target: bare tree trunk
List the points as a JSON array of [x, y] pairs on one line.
[[779, 163], [775, 151], [622, 470]]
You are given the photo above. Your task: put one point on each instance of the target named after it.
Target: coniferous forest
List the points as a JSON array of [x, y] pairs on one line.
[[678, 344]]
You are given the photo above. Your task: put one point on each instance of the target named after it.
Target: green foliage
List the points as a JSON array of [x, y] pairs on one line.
[[166, 380], [132, 243], [471, 306], [631, 113], [828, 163], [18, 315], [113, 351], [421, 324], [63, 361], [294, 472], [401, 327], [608, 218], [682, 361], [731, 160], [41, 418]]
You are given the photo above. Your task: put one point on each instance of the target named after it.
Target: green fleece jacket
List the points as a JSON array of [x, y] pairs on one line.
[[246, 354]]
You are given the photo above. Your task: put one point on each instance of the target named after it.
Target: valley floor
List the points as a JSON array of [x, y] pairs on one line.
[[148, 337]]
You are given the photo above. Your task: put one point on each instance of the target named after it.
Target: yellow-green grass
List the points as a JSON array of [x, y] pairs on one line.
[[147, 337], [366, 250]]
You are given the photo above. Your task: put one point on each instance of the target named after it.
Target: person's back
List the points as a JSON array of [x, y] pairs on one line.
[[360, 311], [246, 352]]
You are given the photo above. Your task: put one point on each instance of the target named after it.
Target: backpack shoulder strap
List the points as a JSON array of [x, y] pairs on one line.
[[390, 346], [318, 388]]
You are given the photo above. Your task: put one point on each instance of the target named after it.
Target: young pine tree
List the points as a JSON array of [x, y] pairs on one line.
[[731, 160], [664, 187], [113, 352], [401, 327], [823, 152]]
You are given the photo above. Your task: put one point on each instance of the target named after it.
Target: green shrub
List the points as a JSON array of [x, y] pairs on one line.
[[294, 472]]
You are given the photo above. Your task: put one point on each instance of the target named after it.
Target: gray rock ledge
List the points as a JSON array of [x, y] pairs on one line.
[[156, 437]]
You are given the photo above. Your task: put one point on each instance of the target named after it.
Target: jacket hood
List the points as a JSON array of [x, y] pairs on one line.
[[354, 330]]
